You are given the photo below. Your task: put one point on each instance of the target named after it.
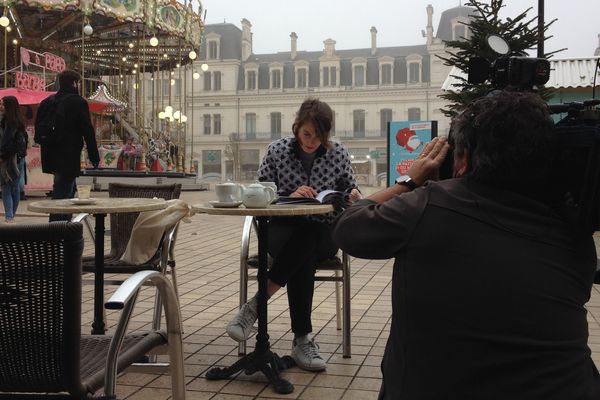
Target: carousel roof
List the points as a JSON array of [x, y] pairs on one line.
[[118, 35], [102, 96]]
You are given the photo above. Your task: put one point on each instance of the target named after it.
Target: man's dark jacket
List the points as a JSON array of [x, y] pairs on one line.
[[64, 158], [488, 294]]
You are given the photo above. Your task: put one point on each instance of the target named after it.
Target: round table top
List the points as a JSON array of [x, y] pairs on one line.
[[105, 205], [271, 210]]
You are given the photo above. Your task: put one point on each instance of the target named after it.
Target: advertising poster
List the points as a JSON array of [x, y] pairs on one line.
[[406, 140]]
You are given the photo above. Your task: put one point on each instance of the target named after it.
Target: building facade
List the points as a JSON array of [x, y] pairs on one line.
[[243, 101]]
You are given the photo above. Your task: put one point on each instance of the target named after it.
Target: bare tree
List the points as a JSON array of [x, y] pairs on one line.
[[232, 153]]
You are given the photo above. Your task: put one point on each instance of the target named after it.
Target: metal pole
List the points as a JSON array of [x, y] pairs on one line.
[[5, 60], [540, 47]]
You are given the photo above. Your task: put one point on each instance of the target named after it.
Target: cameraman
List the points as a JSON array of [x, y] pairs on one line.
[[489, 283]]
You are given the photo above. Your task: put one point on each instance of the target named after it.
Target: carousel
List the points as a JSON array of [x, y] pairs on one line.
[[129, 54]]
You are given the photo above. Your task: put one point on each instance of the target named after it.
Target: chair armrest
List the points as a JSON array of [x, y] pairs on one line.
[[244, 252], [124, 299], [85, 219]]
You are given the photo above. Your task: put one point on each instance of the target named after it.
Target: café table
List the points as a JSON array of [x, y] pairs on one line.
[[99, 207], [262, 358]]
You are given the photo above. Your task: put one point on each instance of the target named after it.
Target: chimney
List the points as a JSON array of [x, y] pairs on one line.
[[597, 52], [294, 38], [373, 40], [429, 24], [246, 39], [329, 49]]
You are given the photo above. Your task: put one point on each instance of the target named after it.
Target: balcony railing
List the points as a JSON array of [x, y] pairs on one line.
[[345, 135]]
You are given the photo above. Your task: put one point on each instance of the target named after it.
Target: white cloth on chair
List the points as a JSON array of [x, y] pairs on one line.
[[148, 231]]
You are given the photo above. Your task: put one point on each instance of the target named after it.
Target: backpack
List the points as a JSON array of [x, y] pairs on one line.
[[21, 140], [50, 119]]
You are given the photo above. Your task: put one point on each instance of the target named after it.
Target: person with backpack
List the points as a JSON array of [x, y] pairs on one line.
[[62, 124], [13, 149]]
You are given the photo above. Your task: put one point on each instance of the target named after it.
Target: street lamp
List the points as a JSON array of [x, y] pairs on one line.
[[204, 67], [153, 41]]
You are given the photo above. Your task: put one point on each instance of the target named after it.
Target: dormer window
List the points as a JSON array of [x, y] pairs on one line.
[[330, 76], [251, 76], [414, 66], [359, 68], [386, 68], [460, 31], [276, 79], [213, 46], [301, 80]]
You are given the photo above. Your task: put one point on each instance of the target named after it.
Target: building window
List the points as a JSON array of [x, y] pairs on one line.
[[173, 85], [325, 76], [385, 117], [359, 123], [386, 74], [414, 114], [213, 50], [302, 78], [217, 124], [207, 124], [460, 31], [250, 125], [276, 79], [217, 80], [249, 162], [275, 125], [359, 75], [414, 72], [251, 82], [207, 81]]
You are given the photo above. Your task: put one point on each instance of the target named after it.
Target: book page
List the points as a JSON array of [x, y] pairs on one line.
[[324, 193]]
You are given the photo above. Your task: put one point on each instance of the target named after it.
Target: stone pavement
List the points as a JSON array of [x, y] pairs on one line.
[[207, 255]]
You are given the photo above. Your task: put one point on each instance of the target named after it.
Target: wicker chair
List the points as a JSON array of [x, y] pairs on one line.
[[121, 225], [341, 268], [43, 354]]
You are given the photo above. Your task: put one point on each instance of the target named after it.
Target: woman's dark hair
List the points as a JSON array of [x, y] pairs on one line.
[[12, 114], [319, 113], [510, 140]]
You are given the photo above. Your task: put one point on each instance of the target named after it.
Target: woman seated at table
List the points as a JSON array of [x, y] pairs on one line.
[[300, 166]]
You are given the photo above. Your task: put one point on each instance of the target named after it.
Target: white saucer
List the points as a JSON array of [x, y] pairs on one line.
[[83, 202], [225, 204]]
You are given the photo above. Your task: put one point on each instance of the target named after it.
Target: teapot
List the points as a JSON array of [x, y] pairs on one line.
[[257, 195]]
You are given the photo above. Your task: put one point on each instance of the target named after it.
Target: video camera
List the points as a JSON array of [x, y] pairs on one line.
[[576, 169]]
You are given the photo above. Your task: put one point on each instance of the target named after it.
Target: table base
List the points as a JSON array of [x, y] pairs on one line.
[[267, 362]]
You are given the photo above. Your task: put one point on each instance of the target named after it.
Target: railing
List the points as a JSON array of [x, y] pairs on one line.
[[268, 136]]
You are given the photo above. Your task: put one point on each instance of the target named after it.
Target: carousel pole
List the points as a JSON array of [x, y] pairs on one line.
[[180, 147], [83, 56]]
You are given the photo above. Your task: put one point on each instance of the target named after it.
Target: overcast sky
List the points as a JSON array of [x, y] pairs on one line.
[[398, 22]]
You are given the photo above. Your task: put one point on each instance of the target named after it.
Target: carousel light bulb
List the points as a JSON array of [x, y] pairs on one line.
[[196, 75], [134, 72], [124, 59], [172, 73], [172, 82], [135, 65], [171, 119], [88, 30], [177, 114], [15, 41], [8, 29], [192, 55], [183, 118], [165, 55], [169, 110], [162, 115], [4, 21], [131, 45], [98, 52], [153, 41], [178, 65], [204, 67]]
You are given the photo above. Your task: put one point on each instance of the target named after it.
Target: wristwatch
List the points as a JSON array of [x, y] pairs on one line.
[[406, 181]]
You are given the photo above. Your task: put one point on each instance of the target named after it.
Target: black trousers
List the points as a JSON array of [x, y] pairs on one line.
[[296, 245]]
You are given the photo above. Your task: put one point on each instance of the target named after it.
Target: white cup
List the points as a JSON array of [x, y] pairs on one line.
[[228, 192], [83, 191]]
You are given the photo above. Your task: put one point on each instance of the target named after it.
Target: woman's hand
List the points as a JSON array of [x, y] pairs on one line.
[[355, 195], [304, 191]]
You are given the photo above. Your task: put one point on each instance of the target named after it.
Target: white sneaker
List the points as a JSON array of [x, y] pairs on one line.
[[306, 354], [241, 326]]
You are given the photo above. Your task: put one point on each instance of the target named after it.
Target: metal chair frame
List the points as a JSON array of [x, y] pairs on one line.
[[341, 279]]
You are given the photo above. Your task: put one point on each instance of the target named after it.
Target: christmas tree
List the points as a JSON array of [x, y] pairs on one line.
[[520, 33]]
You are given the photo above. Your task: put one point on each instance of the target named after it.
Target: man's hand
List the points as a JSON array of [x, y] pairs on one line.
[[427, 164], [304, 191], [355, 195]]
